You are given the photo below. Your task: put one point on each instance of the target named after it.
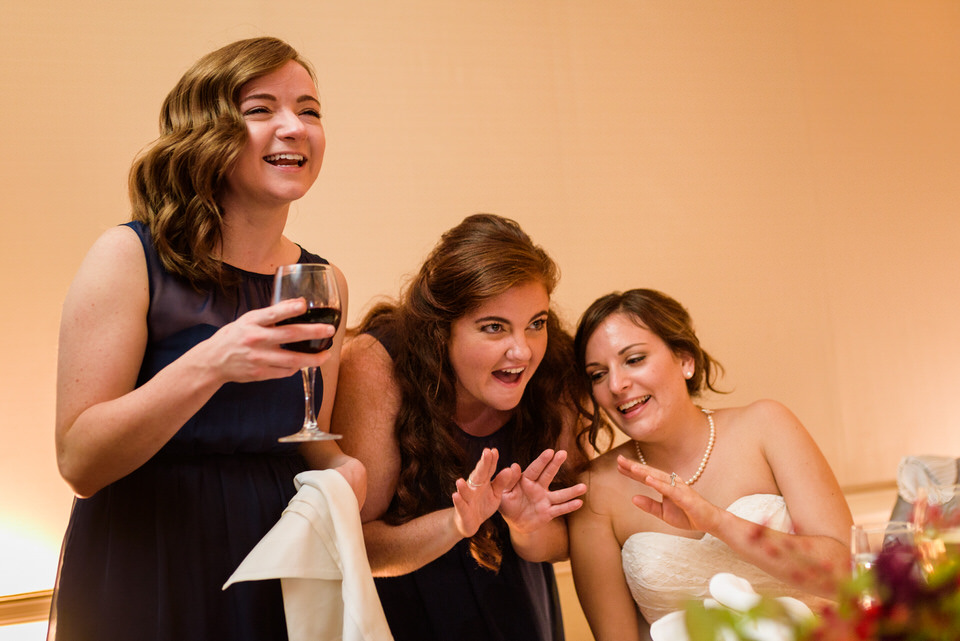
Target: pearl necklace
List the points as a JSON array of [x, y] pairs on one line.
[[706, 455]]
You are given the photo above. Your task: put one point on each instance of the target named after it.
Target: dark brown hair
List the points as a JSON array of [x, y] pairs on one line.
[[174, 184], [479, 259], [663, 316]]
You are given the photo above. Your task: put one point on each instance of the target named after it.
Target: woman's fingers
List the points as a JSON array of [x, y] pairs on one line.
[[645, 474], [483, 471], [568, 493]]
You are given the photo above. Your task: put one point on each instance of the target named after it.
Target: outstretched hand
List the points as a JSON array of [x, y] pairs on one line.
[[530, 503], [478, 496], [681, 505]]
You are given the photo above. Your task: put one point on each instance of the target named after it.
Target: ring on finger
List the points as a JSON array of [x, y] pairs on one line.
[[673, 479], [474, 485]]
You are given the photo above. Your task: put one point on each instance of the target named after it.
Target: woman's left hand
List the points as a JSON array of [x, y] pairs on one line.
[[478, 496], [681, 505], [530, 503]]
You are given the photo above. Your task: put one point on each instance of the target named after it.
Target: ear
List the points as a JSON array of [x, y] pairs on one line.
[[687, 365]]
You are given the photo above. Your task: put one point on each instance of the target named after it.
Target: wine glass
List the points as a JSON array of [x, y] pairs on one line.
[[936, 514], [869, 540], [317, 284]]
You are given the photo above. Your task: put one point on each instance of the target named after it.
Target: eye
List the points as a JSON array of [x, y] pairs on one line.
[[596, 375], [253, 111], [539, 324], [313, 113], [636, 359], [491, 328]]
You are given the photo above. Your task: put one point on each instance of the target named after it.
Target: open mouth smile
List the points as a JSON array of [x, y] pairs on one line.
[[286, 160], [511, 375], [629, 405]]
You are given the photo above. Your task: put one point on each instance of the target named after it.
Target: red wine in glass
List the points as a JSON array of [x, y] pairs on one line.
[[317, 285], [328, 315]]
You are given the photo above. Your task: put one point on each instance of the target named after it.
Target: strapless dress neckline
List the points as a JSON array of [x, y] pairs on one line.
[[665, 571]]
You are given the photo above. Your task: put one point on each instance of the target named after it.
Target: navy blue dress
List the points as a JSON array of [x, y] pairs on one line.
[[453, 598], [145, 557]]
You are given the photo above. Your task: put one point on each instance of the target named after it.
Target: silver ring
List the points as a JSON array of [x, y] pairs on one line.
[[673, 479], [474, 485]]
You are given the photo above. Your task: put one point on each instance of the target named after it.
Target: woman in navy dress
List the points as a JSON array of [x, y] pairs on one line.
[[458, 400], [172, 385]]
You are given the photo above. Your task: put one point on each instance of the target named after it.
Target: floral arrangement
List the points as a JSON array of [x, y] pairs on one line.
[[893, 601]]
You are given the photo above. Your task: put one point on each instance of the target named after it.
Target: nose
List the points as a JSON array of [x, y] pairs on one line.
[[289, 125], [616, 381], [519, 349]]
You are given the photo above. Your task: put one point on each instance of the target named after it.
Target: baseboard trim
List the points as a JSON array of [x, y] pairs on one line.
[[28, 607]]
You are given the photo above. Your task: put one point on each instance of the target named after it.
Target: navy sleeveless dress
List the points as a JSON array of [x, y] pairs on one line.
[[453, 598], [145, 557]]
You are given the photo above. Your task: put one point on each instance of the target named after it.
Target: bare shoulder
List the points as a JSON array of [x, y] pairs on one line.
[[764, 416], [368, 396], [117, 246], [604, 482], [367, 361], [111, 278]]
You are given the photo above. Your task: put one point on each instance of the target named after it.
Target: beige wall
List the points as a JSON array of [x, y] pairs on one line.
[[786, 169]]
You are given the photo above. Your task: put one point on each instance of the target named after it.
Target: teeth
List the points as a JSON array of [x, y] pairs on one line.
[[630, 404], [515, 370], [298, 158]]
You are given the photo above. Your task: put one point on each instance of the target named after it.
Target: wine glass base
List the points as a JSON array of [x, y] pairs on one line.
[[309, 435]]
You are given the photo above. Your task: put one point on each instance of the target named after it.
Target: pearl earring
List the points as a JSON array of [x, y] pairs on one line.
[[688, 374]]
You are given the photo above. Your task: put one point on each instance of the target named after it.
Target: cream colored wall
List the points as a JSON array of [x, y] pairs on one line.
[[786, 169]]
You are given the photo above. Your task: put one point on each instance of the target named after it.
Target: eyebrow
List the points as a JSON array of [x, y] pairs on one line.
[[500, 319], [271, 97]]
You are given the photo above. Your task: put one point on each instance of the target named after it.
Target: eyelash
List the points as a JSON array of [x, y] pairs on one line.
[[494, 328], [253, 111], [595, 376]]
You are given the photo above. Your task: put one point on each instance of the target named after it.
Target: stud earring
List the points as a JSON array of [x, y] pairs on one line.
[[688, 375]]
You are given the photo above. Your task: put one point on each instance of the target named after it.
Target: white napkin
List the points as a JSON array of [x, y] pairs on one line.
[[316, 550], [735, 593], [924, 471]]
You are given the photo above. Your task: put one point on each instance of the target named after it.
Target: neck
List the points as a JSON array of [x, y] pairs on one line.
[[479, 419], [255, 242], [683, 444]]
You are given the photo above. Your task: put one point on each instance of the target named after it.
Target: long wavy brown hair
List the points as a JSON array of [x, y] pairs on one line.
[[479, 259], [174, 184], [663, 316]]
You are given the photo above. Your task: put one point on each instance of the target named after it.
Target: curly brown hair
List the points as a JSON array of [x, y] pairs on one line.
[[663, 316], [174, 184], [479, 259]]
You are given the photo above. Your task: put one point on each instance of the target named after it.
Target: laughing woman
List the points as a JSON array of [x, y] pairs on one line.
[[458, 401], [743, 490], [172, 386]]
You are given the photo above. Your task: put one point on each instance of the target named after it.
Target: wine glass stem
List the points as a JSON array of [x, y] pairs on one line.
[[309, 416]]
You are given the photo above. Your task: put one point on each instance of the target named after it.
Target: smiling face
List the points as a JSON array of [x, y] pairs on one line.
[[635, 377], [495, 350], [285, 140]]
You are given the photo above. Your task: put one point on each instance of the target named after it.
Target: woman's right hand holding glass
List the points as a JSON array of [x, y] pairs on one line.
[[249, 348]]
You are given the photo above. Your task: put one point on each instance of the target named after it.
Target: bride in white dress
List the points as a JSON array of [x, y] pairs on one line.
[[743, 490]]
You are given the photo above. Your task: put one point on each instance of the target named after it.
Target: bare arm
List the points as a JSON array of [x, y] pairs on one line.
[[365, 411], [105, 427], [815, 556], [598, 571]]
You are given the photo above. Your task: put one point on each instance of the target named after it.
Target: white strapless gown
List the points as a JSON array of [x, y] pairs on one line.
[[665, 571]]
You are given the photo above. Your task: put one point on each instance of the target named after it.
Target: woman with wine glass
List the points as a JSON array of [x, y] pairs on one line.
[[458, 400], [173, 385], [741, 490]]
